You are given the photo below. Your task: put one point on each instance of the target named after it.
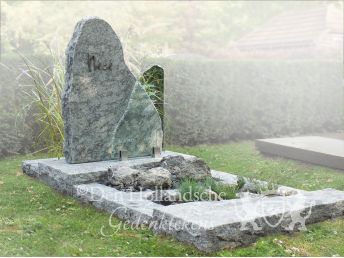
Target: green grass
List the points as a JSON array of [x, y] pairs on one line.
[[224, 191], [242, 159], [37, 221], [192, 190]]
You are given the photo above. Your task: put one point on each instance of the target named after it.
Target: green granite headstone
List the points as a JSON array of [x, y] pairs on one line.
[[105, 110]]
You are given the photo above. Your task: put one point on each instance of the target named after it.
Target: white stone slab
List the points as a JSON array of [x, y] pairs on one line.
[[313, 149]]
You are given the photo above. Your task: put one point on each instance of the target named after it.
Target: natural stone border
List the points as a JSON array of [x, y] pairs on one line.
[[133, 207], [210, 226]]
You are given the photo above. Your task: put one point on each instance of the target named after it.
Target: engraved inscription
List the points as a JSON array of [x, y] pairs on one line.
[[126, 140], [94, 64]]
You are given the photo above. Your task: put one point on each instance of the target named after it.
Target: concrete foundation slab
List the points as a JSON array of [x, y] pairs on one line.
[[313, 149]]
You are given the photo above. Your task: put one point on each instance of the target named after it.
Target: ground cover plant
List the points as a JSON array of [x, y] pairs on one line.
[[208, 189], [36, 220]]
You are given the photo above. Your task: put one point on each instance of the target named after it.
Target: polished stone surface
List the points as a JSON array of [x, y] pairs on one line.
[[139, 130]]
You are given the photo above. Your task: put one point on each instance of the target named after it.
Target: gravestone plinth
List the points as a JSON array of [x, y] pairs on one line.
[[105, 110]]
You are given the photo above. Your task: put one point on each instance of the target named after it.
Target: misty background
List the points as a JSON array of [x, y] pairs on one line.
[[233, 70]]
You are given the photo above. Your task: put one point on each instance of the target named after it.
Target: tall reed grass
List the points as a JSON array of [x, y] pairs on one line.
[[44, 92]]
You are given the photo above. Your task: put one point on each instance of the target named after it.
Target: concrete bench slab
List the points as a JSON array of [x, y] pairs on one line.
[[318, 150]]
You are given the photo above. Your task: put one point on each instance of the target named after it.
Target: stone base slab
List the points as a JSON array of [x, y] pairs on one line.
[[318, 150], [210, 226], [63, 176]]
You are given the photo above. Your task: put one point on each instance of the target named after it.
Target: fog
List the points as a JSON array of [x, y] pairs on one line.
[[233, 69]]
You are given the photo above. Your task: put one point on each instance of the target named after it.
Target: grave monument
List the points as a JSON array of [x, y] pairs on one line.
[[106, 112], [113, 140]]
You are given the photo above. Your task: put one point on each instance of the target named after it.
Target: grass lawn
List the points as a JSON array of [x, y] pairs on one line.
[[37, 221]]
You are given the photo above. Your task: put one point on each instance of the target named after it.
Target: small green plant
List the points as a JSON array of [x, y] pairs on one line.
[[270, 188], [208, 189], [152, 81], [225, 191], [153, 93], [191, 190], [258, 187], [210, 183], [240, 182], [267, 188]]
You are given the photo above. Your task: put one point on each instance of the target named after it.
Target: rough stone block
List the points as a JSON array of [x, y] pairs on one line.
[[105, 110], [181, 168]]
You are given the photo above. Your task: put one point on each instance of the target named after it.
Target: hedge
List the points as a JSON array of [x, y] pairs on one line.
[[210, 101]]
